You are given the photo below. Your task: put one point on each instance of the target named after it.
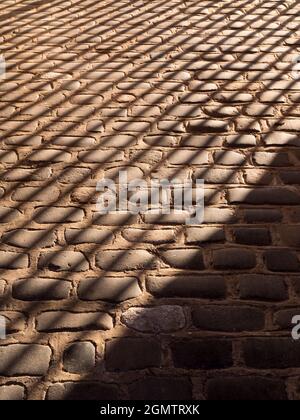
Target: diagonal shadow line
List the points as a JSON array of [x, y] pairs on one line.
[[19, 14], [56, 4], [87, 378], [16, 4], [132, 47], [123, 32], [251, 81], [121, 14], [19, 10], [31, 81], [131, 333]]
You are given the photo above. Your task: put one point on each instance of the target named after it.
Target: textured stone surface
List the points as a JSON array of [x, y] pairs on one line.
[[202, 354], [199, 235], [38, 289], [122, 260], [14, 321], [262, 287], [24, 359], [11, 392], [79, 357], [82, 391], [114, 289], [234, 258], [161, 319], [246, 388], [160, 389], [29, 239], [228, 318], [13, 260], [69, 321], [2, 287], [124, 354], [184, 258], [278, 353], [64, 261], [187, 286]]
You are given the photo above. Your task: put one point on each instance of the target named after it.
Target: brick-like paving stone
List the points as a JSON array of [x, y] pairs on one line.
[[178, 89]]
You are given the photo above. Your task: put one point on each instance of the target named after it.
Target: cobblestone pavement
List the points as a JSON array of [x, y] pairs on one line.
[[122, 306]]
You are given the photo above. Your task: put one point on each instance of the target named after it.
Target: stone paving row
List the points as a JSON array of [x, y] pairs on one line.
[[123, 306]]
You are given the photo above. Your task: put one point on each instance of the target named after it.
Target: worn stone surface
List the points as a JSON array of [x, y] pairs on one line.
[[160, 389], [39, 289], [123, 260], [246, 388], [228, 318], [82, 391], [114, 289], [160, 319], [11, 392], [63, 261], [187, 286], [263, 287], [123, 354], [24, 359], [79, 357], [69, 321]]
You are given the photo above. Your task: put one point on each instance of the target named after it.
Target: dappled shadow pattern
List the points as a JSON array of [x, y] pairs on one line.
[[146, 307]]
